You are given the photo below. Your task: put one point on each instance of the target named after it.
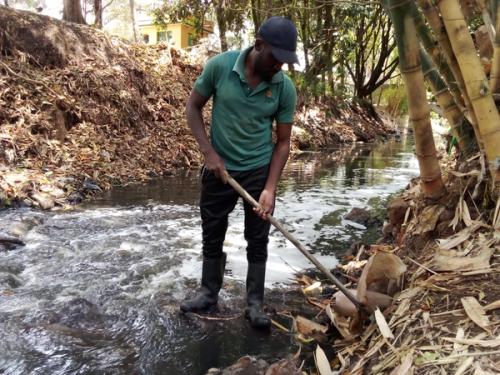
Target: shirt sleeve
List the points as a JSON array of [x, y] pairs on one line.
[[206, 82], [288, 100]]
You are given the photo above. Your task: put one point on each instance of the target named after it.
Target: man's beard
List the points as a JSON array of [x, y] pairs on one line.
[[265, 75]]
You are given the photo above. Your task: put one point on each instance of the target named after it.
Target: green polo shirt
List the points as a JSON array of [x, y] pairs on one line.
[[241, 130]]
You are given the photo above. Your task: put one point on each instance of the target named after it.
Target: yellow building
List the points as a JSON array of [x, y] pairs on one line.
[[178, 35]]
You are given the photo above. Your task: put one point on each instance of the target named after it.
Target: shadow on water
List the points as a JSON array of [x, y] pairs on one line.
[[96, 291]]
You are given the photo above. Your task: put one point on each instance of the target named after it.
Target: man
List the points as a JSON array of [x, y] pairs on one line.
[[249, 92]]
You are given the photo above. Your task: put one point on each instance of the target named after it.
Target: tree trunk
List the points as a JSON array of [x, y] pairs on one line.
[[269, 8], [488, 120], [222, 23], [255, 7], [98, 13], [410, 67], [72, 11], [331, 82], [6, 3], [132, 19]]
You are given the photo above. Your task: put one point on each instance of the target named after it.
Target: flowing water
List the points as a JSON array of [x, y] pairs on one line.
[[96, 290]]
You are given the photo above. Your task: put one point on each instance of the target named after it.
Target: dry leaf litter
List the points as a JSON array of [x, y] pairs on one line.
[[432, 289]]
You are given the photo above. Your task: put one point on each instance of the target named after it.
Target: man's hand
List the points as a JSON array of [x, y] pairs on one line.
[[266, 202], [215, 164]]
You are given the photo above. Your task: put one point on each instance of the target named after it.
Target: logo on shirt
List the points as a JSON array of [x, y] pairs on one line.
[[269, 94]]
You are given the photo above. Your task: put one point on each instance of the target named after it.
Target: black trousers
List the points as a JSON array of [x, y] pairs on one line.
[[219, 199]]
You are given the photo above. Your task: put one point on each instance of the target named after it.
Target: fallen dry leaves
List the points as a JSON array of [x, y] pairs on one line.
[[93, 121], [446, 319]]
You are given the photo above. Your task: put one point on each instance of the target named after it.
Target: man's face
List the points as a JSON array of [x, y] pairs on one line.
[[266, 65]]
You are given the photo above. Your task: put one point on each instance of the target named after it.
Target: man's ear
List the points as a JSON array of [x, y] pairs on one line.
[[259, 44]]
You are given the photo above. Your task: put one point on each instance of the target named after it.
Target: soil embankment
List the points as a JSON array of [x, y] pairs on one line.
[[81, 111]]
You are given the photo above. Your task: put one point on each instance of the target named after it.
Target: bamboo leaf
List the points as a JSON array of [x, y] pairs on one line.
[[428, 218], [465, 213], [457, 347], [496, 216], [405, 366], [313, 289], [476, 312], [345, 307], [483, 343], [382, 325], [380, 266], [474, 172], [336, 321], [459, 237], [308, 327], [464, 366], [456, 218], [492, 306], [452, 263], [479, 371], [322, 363]]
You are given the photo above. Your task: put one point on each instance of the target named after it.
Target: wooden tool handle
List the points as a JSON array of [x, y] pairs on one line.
[[296, 242]]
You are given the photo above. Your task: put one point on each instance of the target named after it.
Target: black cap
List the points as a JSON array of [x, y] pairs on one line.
[[281, 34]]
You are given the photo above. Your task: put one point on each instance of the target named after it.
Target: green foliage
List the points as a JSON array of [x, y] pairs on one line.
[[365, 47], [475, 22], [341, 43], [192, 12], [229, 15]]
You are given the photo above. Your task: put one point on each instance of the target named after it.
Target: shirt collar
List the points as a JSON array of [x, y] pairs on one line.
[[239, 67]]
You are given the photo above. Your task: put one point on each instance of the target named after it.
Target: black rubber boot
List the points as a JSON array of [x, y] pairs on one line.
[[212, 275], [255, 296]]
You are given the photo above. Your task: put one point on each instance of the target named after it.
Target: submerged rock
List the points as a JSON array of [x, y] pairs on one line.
[[9, 267], [9, 242], [245, 365], [75, 198], [9, 280], [251, 366], [46, 201], [396, 211], [359, 215], [22, 227]]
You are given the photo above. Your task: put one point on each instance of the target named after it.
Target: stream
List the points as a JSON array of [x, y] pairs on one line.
[[96, 290]]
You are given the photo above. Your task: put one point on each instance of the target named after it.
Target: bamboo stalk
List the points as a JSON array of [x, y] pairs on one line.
[[454, 115], [436, 23], [410, 67], [488, 119], [483, 5], [495, 66], [442, 62], [436, 54]]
